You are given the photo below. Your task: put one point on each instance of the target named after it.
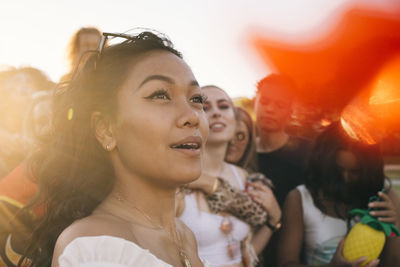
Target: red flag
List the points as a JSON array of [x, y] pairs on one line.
[[332, 70]]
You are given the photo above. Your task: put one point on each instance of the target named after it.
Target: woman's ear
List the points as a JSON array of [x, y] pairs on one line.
[[103, 130]]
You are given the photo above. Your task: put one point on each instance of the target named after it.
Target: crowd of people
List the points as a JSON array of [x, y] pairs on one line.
[[129, 161]]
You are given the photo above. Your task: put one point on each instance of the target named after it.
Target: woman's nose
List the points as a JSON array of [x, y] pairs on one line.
[[216, 115], [189, 117]]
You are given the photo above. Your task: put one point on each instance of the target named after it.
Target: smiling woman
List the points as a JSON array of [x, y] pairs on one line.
[[223, 239], [108, 176]]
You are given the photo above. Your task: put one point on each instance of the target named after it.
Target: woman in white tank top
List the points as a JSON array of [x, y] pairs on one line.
[[343, 174], [221, 237], [126, 133]]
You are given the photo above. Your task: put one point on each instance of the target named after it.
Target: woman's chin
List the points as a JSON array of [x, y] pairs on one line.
[[232, 158], [193, 177], [216, 140], [187, 176]]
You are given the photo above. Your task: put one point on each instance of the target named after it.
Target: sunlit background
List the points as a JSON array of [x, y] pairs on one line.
[[214, 35], [342, 55]]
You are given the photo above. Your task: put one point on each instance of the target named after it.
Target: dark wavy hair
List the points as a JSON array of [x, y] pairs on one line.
[[280, 81], [73, 171], [325, 180]]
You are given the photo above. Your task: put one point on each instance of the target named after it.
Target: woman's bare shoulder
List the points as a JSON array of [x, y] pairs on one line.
[[293, 200], [94, 225]]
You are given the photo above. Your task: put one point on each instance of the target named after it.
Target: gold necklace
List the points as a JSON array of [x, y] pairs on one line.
[[226, 227], [184, 258]]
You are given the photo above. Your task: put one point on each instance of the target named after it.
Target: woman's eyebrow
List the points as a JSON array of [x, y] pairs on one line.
[[194, 83], [157, 77], [164, 78]]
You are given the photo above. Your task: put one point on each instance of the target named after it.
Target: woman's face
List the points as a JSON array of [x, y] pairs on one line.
[[161, 128], [237, 146], [348, 165], [220, 115]]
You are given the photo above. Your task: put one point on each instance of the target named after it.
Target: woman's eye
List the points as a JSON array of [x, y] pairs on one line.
[[224, 106], [240, 136], [199, 99], [160, 94]]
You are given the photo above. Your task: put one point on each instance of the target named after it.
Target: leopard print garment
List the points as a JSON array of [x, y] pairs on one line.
[[238, 203]]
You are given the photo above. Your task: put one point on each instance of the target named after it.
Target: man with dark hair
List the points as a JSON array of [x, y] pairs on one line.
[[281, 157]]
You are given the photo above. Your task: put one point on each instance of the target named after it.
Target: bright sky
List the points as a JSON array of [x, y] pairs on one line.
[[213, 35]]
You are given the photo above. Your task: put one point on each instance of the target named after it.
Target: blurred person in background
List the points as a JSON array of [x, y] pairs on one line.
[[18, 188], [37, 124], [17, 87], [84, 40], [223, 239], [241, 149], [342, 175], [226, 199], [280, 156]]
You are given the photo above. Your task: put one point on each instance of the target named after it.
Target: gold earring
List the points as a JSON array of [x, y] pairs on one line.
[[108, 148]]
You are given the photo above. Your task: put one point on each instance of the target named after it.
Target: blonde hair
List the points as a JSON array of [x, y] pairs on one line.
[[73, 47]]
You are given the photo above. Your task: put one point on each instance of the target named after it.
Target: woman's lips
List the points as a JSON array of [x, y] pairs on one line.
[[189, 152], [217, 127], [190, 146]]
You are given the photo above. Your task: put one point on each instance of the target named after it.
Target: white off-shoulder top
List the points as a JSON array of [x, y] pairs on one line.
[[108, 251]]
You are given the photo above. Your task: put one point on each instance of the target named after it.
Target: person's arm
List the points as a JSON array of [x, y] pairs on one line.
[[391, 254], [264, 196], [226, 198], [394, 197], [292, 235], [261, 238], [206, 183], [390, 208]]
